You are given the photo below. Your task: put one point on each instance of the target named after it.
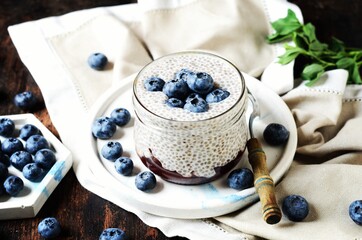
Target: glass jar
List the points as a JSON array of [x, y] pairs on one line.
[[185, 147]]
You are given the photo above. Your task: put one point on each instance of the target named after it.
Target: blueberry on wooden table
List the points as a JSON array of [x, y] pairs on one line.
[[113, 234], [49, 228], [25, 100], [97, 61], [355, 211], [295, 208]]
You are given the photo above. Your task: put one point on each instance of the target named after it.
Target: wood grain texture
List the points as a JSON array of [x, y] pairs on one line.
[[82, 214]]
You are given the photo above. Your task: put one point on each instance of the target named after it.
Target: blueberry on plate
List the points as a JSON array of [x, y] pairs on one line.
[[4, 159], [176, 88], [33, 172], [13, 185], [35, 143], [11, 145], [154, 84], [20, 158], [25, 100], [7, 127], [183, 74], [355, 211], [103, 128], [217, 95], [120, 116], [241, 178], [145, 181], [200, 82], [175, 103], [124, 166], [97, 61], [276, 134], [49, 228], [4, 172], [196, 105], [295, 208], [112, 150], [28, 130], [45, 158], [113, 234]]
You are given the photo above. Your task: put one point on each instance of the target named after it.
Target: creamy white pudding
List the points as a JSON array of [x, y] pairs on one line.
[[186, 147]]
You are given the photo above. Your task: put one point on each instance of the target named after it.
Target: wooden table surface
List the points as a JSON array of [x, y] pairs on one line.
[[82, 214]]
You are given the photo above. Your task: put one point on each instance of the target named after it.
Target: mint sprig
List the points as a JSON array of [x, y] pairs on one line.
[[320, 56]]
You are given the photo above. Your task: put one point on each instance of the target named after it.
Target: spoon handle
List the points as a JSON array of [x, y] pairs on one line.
[[263, 183]]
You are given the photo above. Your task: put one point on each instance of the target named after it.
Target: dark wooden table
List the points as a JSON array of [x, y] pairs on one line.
[[82, 214]]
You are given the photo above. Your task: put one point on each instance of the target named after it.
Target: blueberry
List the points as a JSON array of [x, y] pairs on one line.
[[20, 158], [193, 95], [183, 74], [112, 150], [7, 127], [4, 158], [97, 61], [124, 166], [45, 158], [295, 208], [196, 105], [175, 103], [217, 95], [35, 143], [33, 172], [145, 181], [200, 82], [11, 145], [154, 84], [120, 116], [240, 179], [113, 234], [49, 228], [275, 134], [4, 172], [28, 130], [103, 128], [13, 185], [176, 88], [25, 100], [355, 211]]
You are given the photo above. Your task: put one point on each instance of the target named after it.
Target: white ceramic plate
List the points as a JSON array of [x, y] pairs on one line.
[[178, 201], [30, 200]]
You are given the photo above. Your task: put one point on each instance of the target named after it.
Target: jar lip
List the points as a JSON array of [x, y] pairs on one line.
[[195, 52]]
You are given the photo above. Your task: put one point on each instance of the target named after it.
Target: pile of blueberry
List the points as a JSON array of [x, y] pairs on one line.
[[104, 128], [30, 153], [192, 91]]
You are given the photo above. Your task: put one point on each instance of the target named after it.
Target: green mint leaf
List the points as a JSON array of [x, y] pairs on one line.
[[356, 77], [312, 71], [284, 27], [337, 45], [290, 54], [301, 41], [345, 63], [309, 31]]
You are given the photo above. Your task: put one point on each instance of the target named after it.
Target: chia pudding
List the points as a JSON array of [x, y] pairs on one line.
[[186, 147]]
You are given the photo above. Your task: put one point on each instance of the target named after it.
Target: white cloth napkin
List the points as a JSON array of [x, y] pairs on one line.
[[328, 160]]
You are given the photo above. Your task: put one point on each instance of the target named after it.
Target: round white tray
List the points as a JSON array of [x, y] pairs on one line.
[[179, 201]]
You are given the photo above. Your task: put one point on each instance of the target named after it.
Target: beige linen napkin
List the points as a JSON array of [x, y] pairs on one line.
[[327, 115]]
